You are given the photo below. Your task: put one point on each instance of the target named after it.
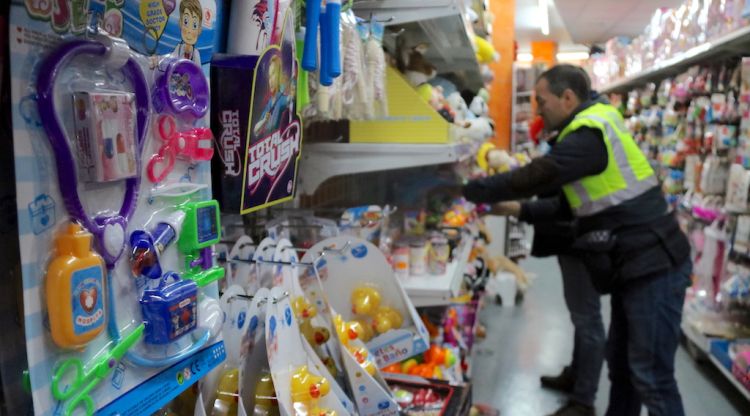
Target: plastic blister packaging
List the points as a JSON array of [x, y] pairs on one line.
[[110, 329]]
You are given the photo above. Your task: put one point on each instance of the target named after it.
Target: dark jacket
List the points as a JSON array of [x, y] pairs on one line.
[[554, 225], [641, 239]]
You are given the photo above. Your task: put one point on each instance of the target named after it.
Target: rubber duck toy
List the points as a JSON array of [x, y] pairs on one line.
[[307, 390]]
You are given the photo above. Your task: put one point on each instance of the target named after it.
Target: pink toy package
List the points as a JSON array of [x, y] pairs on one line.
[[105, 135]]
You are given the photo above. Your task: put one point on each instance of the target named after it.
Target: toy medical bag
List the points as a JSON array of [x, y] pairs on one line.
[[170, 309]]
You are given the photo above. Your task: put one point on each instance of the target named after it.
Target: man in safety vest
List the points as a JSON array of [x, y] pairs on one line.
[[628, 239]]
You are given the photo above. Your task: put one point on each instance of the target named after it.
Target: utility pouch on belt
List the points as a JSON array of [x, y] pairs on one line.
[[595, 250], [615, 257]]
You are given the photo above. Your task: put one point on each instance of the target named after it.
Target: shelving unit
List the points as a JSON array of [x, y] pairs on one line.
[[730, 44], [440, 290], [703, 344], [321, 161], [442, 24]]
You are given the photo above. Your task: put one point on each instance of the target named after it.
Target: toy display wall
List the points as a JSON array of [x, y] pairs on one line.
[[694, 128], [248, 215]]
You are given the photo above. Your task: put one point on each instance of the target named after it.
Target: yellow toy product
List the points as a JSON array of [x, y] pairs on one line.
[[75, 289], [227, 394], [486, 53], [349, 331], [305, 311], [365, 300], [265, 397], [307, 390], [385, 319]]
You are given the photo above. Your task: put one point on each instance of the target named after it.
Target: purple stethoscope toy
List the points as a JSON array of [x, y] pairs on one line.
[[108, 231]]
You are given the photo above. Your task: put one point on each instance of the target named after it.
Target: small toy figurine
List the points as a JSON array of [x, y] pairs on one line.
[[227, 393], [348, 331], [305, 311], [365, 300], [307, 389], [265, 397]]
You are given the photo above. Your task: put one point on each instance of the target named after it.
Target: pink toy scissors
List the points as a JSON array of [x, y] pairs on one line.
[[195, 145]]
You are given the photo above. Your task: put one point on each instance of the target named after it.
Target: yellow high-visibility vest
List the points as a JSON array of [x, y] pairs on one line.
[[628, 173]]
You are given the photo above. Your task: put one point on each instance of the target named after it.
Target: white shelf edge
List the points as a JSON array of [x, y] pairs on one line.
[[684, 59], [321, 161], [700, 340], [704, 344], [728, 374], [441, 296]]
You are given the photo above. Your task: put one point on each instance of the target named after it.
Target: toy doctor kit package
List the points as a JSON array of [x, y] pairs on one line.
[[120, 283]]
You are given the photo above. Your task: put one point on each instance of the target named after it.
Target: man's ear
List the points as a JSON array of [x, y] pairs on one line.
[[570, 97]]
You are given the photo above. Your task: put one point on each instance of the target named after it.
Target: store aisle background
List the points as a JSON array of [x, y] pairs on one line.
[[535, 338]]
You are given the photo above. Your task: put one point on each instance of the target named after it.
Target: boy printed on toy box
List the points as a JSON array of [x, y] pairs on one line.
[[275, 133], [181, 28]]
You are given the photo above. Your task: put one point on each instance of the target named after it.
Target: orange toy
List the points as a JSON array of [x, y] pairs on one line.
[[75, 289]]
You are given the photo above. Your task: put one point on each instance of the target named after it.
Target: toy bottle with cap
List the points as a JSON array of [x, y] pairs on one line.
[[75, 289]]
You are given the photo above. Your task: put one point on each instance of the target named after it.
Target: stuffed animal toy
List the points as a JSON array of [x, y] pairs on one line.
[[479, 107], [460, 109], [418, 70], [486, 53], [477, 130], [493, 160]]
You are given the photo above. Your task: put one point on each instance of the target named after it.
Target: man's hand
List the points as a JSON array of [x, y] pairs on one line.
[[509, 208]]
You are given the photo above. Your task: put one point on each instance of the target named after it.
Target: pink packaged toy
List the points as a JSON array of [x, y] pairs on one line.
[[105, 135]]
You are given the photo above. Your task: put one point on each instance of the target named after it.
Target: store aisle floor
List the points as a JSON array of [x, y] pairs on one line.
[[535, 338]]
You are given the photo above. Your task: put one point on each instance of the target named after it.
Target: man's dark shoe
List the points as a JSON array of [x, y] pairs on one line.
[[574, 409], [563, 382]]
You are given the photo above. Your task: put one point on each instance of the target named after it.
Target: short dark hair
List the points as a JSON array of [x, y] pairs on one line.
[[565, 76]]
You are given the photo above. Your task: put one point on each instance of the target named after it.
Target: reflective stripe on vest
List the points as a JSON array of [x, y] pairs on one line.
[[628, 173]]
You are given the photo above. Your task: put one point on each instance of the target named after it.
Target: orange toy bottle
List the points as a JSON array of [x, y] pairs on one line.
[[75, 289]]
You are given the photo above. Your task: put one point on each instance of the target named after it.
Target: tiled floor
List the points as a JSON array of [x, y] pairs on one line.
[[535, 338]]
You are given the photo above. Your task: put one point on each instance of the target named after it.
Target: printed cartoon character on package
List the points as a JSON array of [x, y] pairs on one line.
[[260, 146], [121, 300]]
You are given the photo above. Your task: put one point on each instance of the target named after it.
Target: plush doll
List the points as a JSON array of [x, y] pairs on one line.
[[486, 53], [418, 70], [493, 160], [479, 107], [477, 130], [460, 109]]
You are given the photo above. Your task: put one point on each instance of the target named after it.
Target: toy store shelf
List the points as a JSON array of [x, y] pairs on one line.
[[731, 44], [704, 343], [728, 374], [696, 337], [440, 290], [321, 161], [442, 24]]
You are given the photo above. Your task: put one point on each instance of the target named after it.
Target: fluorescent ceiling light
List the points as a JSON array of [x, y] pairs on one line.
[[572, 56], [544, 16], [524, 57]]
